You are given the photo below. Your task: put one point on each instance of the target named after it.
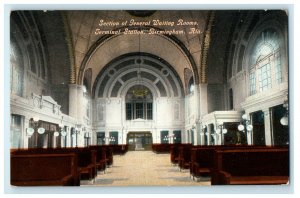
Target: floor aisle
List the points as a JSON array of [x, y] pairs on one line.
[[143, 168]]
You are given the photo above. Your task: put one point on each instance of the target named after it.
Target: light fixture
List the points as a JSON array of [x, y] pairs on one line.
[[34, 124], [285, 119], [41, 130], [56, 134], [109, 139], [75, 131], [30, 131], [221, 130], [63, 133], [245, 126], [169, 138]]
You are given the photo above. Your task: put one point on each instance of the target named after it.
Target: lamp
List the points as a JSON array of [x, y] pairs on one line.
[[169, 138], [60, 129], [245, 126], [109, 139], [34, 123], [87, 136], [221, 130], [285, 119], [75, 132]]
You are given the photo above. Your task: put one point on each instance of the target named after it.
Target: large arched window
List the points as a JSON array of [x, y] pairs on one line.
[[265, 62], [139, 103]]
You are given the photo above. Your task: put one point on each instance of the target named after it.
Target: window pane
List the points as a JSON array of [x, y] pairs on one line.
[[139, 110], [100, 138], [164, 137], [128, 111], [113, 137], [252, 83], [264, 77], [149, 111], [266, 60], [278, 73]]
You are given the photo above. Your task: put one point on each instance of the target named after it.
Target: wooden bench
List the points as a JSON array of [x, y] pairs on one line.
[[161, 148], [202, 157], [120, 149], [174, 153], [202, 160], [100, 157], [86, 158], [109, 154], [184, 157], [86, 163], [252, 166], [44, 170]]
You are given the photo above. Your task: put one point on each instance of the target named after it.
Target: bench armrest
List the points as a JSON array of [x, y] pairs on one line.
[[68, 180], [220, 177]]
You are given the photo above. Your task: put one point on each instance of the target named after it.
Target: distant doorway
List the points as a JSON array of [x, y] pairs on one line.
[[139, 141]]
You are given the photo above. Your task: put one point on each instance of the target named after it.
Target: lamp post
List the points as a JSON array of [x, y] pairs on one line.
[[169, 138], [109, 139], [245, 126], [213, 138], [221, 130], [87, 137], [34, 125], [63, 133], [285, 119], [75, 132]]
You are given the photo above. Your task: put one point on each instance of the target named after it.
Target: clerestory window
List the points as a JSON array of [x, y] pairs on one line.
[[265, 62], [139, 103]]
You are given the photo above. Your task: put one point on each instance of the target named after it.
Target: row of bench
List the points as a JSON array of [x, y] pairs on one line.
[[161, 148], [234, 164], [60, 166]]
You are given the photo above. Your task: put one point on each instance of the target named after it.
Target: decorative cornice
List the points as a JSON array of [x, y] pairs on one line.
[[264, 100]]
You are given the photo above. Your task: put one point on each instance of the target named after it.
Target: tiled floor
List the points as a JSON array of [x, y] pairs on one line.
[[144, 168]]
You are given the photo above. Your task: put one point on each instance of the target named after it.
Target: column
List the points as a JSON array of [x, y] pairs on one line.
[[267, 120], [197, 128], [24, 134], [197, 135], [73, 100], [68, 137], [80, 105], [54, 141], [202, 135], [202, 99], [249, 133], [208, 134]]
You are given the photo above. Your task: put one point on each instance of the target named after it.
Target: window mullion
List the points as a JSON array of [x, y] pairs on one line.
[[273, 70]]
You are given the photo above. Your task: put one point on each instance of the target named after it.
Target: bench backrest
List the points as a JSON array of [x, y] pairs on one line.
[[253, 162], [30, 167]]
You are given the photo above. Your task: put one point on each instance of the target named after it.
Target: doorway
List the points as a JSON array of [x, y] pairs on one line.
[[139, 141]]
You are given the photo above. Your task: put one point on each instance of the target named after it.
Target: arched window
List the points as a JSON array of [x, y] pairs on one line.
[[265, 62], [139, 103]]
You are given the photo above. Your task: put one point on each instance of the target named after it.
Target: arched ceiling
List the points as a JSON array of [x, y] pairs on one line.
[[84, 23]]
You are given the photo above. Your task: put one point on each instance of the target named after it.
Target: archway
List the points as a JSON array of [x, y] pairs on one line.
[[138, 141]]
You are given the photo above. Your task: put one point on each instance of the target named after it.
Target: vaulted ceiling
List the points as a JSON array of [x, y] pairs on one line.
[[93, 51]]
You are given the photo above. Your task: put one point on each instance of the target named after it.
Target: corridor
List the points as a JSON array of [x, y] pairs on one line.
[[144, 168]]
